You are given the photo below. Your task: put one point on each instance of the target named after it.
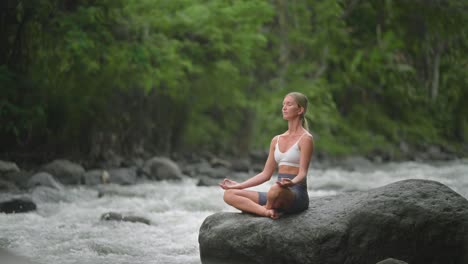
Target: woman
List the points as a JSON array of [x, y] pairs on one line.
[[291, 152]]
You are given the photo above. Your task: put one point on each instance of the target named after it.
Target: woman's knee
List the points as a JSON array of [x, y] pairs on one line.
[[274, 191], [229, 194]]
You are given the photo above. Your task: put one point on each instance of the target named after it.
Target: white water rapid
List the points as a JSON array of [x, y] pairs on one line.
[[71, 232]]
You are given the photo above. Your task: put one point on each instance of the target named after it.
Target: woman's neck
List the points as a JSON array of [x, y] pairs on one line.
[[295, 127]]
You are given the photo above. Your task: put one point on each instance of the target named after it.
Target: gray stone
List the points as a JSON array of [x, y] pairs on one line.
[[7, 186], [112, 216], [19, 178], [241, 165], [123, 176], [160, 168], [391, 261], [8, 166], [44, 179], [419, 221], [65, 171], [217, 162], [217, 173], [207, 181], [95, 177]]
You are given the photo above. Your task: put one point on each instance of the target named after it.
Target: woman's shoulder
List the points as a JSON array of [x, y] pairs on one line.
[[275, 139], [307, 137]]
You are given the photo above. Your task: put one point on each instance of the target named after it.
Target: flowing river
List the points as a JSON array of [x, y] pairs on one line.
[[72, 232]]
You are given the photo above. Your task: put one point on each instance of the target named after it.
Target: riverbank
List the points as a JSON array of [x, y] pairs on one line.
[[208, 168]]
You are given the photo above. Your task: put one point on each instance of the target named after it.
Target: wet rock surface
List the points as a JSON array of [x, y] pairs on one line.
[[419, 221]]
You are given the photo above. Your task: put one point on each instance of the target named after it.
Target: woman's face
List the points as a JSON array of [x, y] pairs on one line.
[[291, 109]]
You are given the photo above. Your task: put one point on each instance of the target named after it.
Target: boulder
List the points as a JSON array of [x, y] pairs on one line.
[[65, 171], [160, 168], [241, 165], [19, 178], [205, 170], [17, 205], [43, 179], [7, 186], [218, 162], [419, 221], [7, 166], [123, 176], [95, 177]]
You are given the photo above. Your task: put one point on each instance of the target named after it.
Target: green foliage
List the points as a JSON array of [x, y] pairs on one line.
[[189, 74]]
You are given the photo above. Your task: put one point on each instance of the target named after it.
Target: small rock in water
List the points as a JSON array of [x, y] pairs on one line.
[[112, 216]]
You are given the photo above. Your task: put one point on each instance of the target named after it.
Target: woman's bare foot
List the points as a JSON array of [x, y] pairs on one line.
[[271, 213]]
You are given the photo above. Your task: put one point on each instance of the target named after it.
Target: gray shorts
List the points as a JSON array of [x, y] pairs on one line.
[[301, 197]]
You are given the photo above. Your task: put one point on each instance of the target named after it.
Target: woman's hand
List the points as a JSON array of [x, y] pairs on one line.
[[285, 182], [227, 184]]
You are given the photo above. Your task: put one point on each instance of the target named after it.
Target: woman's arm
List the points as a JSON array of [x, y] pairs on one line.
[[306, 145], [260, 178]]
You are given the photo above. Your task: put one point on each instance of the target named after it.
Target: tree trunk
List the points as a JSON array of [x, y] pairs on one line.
[[282, 9], [436, 71]]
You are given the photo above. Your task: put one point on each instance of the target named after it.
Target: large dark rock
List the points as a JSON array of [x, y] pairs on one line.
[[17, 205], [419, 221]]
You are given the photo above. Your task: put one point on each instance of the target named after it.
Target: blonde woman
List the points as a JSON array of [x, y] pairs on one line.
[[291, 153]]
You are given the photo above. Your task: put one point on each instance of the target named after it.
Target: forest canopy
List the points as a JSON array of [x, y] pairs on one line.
[[82, 77]]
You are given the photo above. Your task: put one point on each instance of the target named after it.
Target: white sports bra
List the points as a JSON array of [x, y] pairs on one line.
[[291, 157]]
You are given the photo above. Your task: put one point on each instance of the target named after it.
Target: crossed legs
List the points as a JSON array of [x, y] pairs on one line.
[[247, 201]]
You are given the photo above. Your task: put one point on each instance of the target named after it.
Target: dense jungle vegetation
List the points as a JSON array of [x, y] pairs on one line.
[[84, 78]]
